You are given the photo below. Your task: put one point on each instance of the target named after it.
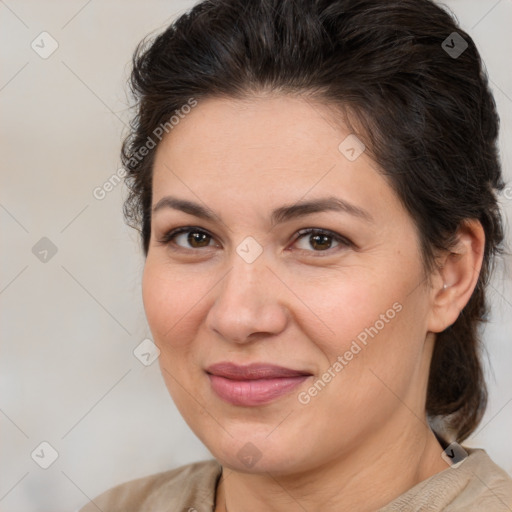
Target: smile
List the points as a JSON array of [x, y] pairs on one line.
[[253, 385]]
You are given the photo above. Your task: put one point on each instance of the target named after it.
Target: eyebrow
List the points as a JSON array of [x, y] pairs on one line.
[[278, 216]]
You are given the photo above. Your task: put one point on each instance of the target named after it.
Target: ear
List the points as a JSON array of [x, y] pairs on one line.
[[456, 276]]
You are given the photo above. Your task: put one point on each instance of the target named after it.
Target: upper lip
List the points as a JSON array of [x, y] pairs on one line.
[[253, 371]]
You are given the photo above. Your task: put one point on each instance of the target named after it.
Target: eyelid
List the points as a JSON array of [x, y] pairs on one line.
[[168, 237], [323, 231]]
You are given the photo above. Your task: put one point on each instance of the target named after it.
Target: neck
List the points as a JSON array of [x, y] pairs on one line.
[[379, 472]]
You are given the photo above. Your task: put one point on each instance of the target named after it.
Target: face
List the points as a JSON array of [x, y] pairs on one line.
[[289, 334]]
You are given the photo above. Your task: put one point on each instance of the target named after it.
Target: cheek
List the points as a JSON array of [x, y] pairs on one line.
[[374, 322], [169, 298], [350, 303], [372, 358]]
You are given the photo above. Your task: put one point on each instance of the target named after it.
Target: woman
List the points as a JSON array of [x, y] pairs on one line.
[[315, 184]]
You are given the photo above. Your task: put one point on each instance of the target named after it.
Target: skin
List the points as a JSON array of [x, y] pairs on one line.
[[363, 439]]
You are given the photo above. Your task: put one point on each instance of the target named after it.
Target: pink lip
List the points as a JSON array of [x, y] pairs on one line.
[[254, 384]]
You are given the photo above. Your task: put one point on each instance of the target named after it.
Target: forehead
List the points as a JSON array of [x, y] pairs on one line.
[[278, 128], [265, 149]]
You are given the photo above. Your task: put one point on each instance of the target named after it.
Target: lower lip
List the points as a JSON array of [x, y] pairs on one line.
[[249, 393]]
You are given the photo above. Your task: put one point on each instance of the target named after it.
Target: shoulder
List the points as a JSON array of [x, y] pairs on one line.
[[488, 486], [189, 488], [474, 485]]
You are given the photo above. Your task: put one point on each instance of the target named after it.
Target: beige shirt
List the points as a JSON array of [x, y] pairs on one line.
[[475, 485]]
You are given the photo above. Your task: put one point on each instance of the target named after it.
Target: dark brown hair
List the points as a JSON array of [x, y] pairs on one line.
[[426, 114]]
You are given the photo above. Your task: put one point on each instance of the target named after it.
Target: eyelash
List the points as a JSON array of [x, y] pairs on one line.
[[167, 238]]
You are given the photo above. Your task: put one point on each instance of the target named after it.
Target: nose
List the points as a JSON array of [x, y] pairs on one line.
[[248, 304]]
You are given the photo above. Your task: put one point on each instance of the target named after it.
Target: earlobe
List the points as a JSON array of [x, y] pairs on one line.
[[456, 276]]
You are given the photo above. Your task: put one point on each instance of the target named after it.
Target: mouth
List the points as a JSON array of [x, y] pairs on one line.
[[254, 384]]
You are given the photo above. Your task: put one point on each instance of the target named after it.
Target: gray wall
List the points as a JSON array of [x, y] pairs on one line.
[[70, 324]]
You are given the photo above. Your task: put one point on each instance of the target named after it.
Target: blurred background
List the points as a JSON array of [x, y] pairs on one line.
[[79, 411]]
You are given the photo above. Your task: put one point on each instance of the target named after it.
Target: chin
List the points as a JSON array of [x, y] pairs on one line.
[[257, 454]]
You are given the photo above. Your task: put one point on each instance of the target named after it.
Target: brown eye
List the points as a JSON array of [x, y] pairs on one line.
[[320, 240], [198, 239], [187, 238]]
